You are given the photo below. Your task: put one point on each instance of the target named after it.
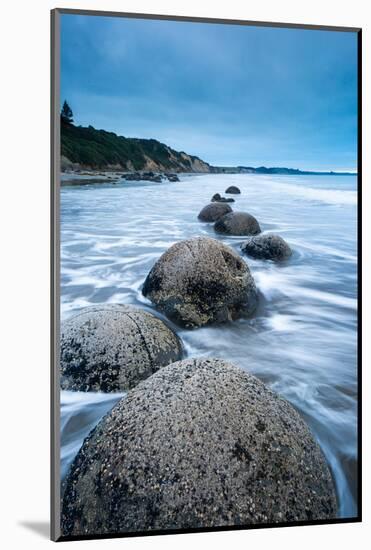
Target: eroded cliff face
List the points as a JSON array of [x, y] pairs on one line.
[[190, 164], [179, 163], [90, 149]]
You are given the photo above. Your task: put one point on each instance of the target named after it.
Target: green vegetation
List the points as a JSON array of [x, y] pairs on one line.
[[99, 149], [66, 114]]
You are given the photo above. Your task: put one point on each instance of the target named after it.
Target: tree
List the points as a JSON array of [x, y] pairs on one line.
[[66, 114]]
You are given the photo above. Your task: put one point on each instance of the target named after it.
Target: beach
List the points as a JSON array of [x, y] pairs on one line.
[[301, 341]]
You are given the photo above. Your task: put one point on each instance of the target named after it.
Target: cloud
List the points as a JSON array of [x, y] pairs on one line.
[[226, 93]]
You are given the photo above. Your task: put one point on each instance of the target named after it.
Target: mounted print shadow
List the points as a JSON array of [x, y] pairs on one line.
[[206, 201]]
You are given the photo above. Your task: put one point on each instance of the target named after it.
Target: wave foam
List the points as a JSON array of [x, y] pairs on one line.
[[336, 197]]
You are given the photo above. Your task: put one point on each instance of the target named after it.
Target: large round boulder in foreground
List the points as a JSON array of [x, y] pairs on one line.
[[213, 211], [237, 223], [199, 444], [267, 247], [201, 281], [113, 347], [233, 190]]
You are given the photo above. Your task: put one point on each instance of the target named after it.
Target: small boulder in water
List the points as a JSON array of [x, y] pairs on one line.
[[218, 198], [237, 223], [233, 190], [172, 177], [199, 444], [135, 176], [267, 247], [113, 347], [213, 211], [201, 281]]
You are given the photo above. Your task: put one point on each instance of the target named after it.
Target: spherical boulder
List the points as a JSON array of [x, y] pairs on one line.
[[237, 223], [267, 247], [201, 281], [199, 444], [213, 211], [233, 190], [218, 198], [113, 347]]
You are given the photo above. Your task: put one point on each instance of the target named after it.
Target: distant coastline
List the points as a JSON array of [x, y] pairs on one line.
[[277, 170], [89, 150]]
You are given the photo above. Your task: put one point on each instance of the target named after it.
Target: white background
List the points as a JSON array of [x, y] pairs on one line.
[[24, 271]]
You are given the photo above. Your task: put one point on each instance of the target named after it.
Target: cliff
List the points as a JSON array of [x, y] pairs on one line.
[[91, 149]]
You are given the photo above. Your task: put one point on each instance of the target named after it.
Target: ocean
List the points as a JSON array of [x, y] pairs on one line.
[[301, 341]]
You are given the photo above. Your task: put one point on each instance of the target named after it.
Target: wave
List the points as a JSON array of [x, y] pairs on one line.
[[80, 413], [336, 197], [302, 339]]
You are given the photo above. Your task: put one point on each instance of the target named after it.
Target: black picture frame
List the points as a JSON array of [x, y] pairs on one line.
[[55, 269]]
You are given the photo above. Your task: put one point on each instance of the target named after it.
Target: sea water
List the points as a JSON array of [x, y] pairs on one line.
[[302, 340]]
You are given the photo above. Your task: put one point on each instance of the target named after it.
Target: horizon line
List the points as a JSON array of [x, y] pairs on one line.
[[217, 165], [270, 167]]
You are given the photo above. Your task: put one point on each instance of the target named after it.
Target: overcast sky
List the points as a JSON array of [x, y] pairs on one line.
[[233, 95]]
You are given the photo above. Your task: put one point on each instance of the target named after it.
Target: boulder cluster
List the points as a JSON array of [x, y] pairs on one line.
[[236, 223], [218, 198], [196, 442], [156, 177]]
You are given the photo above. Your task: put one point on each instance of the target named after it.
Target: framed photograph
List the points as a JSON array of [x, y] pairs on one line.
[[206, 203]]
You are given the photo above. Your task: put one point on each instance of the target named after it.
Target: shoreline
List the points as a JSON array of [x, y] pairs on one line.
[[90, 177], [150, 216], [113, 177]]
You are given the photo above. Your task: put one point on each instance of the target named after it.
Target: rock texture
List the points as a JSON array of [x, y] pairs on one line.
[[149, 176], [113, 347], [198, 444], [237, 223], [218, 198], [233, 190], [267, 247], [213, 211], [201, 281]]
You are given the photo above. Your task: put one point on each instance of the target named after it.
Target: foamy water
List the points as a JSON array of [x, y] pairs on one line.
[[302, 339]]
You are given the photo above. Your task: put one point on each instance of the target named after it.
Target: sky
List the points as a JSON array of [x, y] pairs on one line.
[[232, 95]]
